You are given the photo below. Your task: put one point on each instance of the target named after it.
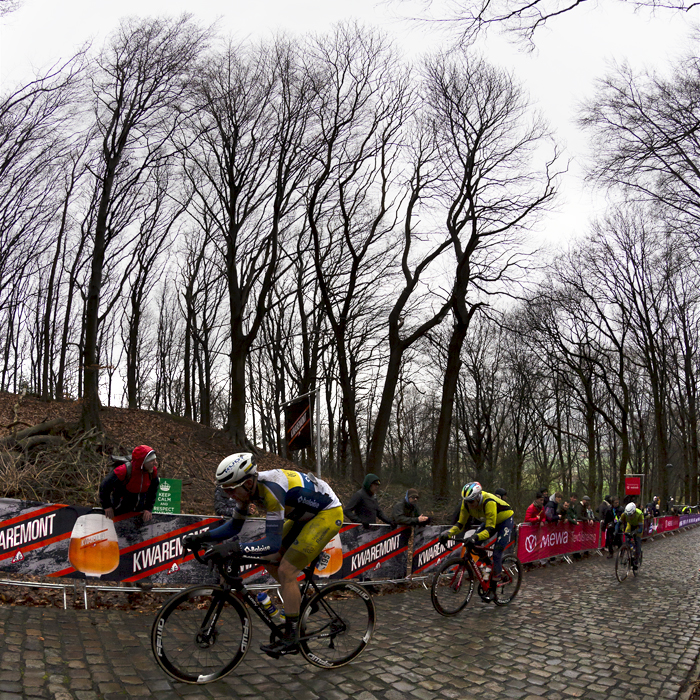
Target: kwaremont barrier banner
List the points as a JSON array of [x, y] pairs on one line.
[[62, 541], [75, 542], [428, 553]]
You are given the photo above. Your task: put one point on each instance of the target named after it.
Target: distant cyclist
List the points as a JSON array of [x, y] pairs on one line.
[[633, 522], [496, 518], [303, 515]]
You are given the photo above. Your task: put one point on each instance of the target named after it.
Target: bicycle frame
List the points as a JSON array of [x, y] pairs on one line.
[[230, 571], [487, 551]]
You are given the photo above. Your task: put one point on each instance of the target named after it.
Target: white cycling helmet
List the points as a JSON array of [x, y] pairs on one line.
[[631, 508], [235, 469]]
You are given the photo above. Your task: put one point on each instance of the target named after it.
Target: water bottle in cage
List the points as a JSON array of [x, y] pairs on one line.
[[275, 614], [486, 572]]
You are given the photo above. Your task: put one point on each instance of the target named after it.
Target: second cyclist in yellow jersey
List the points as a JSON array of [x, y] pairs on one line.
[[496, 518]]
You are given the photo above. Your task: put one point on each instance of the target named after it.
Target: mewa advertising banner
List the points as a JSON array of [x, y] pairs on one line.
[[61, 541], [544, 540]]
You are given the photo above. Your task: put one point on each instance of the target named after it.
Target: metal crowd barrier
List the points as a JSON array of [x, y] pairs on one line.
[[79, 586]]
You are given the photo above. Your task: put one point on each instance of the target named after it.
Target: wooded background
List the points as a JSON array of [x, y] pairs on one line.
[[209, 229]]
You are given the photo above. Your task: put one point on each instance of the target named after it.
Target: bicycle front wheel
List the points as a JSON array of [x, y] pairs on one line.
[[201, 634], [512, 577], [453, 586], [336, 624], [623, 563]]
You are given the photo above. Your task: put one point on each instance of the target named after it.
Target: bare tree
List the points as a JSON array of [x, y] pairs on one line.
[[466, 19], [490, 188], [34, 143], [647, 139], [7, 6], [244, 158], [362, 102], [137, 88], [157, 221]]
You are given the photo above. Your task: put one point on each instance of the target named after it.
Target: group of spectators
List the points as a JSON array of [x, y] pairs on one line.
[[556, 508], [363, 506]]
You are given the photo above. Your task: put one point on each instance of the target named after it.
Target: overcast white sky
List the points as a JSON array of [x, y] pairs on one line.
[[570, 55]]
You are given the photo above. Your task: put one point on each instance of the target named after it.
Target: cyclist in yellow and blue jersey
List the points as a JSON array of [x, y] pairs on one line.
[[496, 517], [302, 516], [633, 522]]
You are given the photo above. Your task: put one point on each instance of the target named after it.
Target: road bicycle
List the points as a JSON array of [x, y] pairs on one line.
[[625, 559], [457, 577], [202, 633]]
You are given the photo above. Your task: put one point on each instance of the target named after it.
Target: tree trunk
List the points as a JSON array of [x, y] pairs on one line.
[[449, 387]]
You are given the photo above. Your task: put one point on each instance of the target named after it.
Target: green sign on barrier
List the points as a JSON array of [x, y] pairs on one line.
[[169, 496]]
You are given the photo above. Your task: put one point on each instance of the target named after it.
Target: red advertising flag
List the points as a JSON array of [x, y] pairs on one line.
[[633, 485], [298, 424]]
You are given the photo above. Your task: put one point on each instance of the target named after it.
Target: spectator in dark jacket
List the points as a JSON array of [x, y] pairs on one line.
[[223, 505], [584, 511], [604, 507], [552, 506], [573, 503], [406, 512], [566, 513], [609, 522], [653, 508], [132, 487], [535, 511], [363, 506]]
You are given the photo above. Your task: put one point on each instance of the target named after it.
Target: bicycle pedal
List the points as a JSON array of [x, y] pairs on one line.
[[271, 654]]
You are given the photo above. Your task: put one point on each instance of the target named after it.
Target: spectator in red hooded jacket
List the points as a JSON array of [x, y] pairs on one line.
[[535, 511], [132, 487]]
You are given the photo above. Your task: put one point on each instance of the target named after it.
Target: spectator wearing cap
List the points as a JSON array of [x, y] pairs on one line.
[[535, 511], [363, 506], [585, 512], [501, 493], [132, 487], [406, 511]]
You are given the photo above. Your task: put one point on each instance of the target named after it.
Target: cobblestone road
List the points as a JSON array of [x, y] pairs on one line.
[[573, 631]]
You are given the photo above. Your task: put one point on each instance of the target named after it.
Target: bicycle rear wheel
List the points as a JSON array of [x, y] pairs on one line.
[[513, 575], [336, 624], [453, 586], [201, 634], [623, 563]]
